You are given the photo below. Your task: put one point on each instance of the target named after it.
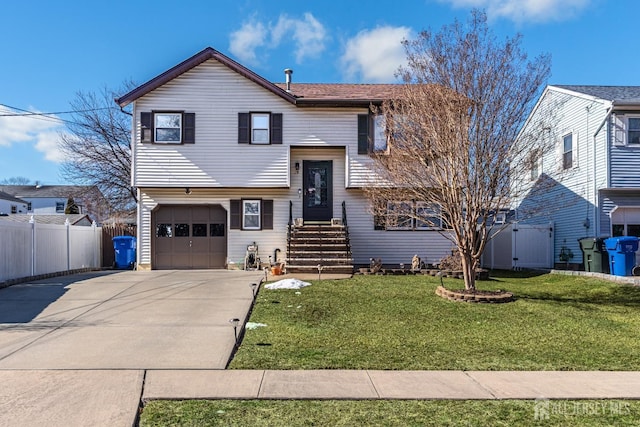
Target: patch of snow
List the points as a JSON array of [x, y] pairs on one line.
[[287, 284], [254, 325]]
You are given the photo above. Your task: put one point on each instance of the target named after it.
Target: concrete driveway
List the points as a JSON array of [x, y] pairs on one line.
[[116, 325]]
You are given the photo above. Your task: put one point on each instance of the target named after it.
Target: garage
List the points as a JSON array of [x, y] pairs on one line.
[[189, 237]]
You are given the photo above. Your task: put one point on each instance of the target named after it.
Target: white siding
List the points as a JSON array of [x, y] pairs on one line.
[[216, 95]]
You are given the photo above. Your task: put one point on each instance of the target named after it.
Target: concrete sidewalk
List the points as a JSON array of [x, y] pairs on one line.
[[374, 384]]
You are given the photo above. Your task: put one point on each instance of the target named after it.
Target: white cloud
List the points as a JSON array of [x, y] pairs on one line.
[[375, 55], [244, 42], [526, 10], [308, 34], [39, 130]]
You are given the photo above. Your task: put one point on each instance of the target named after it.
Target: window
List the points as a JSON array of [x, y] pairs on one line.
[[199, 230], [567, 151], [168, 127], [399, 215], [427, 216], [216, 230], [163, 230], [633, 130], [380, 137], [534, 164], [260, 128], [14, 209], [252, 214], [59, 207], [182, 230], [29, 207], [372, 134]]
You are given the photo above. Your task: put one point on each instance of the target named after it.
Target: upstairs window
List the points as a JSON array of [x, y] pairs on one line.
[[168, 127], [567, 151], [372, 134], [380, 136], [633, 132], [260, 128], [534, 164]]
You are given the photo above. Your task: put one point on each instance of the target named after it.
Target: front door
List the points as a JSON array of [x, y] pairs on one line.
[[318, 190]]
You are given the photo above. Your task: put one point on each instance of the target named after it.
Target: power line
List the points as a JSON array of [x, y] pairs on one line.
[[32, 113]]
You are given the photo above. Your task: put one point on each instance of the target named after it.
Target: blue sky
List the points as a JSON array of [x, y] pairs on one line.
[[50, 50]]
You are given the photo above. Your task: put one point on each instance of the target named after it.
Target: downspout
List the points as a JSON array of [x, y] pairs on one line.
[[596, 217]]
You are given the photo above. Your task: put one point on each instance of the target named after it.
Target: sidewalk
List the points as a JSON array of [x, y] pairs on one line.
[[374, 384]]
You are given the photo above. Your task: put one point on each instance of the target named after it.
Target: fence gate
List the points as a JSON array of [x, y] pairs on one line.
[[520, 246], [532, 245], [110, 231]]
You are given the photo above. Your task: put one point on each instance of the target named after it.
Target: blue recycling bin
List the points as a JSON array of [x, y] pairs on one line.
[[622, 254], [125, 249]]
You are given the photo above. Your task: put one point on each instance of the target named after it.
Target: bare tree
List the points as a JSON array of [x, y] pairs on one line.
[[97, 148], [16, 180], [451, 162]]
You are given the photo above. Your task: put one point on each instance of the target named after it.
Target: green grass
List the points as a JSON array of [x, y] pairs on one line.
[[388, 413], [397, 322]]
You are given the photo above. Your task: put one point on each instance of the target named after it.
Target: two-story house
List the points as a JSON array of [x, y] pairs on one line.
[[223, 158], [592, 176]]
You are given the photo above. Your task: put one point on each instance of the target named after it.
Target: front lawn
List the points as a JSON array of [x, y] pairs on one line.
[[390, 413], [397, 322]]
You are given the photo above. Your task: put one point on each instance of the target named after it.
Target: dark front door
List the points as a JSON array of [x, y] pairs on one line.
[[318, 190]]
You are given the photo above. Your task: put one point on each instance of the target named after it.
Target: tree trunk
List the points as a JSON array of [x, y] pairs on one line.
[[468, 271]]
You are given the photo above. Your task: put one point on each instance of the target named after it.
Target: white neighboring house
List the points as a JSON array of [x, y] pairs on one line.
[[223, 158], [10, 204], [52, 199], [594, 173]]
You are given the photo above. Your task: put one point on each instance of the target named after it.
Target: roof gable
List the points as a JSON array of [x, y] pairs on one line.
[[195, 60]]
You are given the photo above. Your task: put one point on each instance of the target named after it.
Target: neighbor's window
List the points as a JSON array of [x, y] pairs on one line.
[[399, 215], [60, 207], [633, 136], [29, 207], [534, 163], [168, 128], [251, 214], [260, 128], [567, 151], [14, 209]]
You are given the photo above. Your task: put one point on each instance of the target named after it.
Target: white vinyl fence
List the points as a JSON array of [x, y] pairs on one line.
[[35, 249], [520, 246]]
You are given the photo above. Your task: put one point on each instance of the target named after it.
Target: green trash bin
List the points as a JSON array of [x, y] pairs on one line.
[[594, 254]]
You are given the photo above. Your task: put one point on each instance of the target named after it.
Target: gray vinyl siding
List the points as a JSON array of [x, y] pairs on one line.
[[625, 160], [216, 95], [572, 201]]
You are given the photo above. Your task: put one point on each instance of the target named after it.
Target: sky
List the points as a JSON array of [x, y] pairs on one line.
[[52, 49]]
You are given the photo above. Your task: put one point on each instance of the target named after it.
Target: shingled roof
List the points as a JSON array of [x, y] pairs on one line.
[[619, 94], [47, 191], [301, 94]]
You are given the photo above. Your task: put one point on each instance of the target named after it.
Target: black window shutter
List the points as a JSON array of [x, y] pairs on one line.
[[276, 128], [234, 215], [189, 128], [363, 133], [244, 128], [146, 127], [267, 214]]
